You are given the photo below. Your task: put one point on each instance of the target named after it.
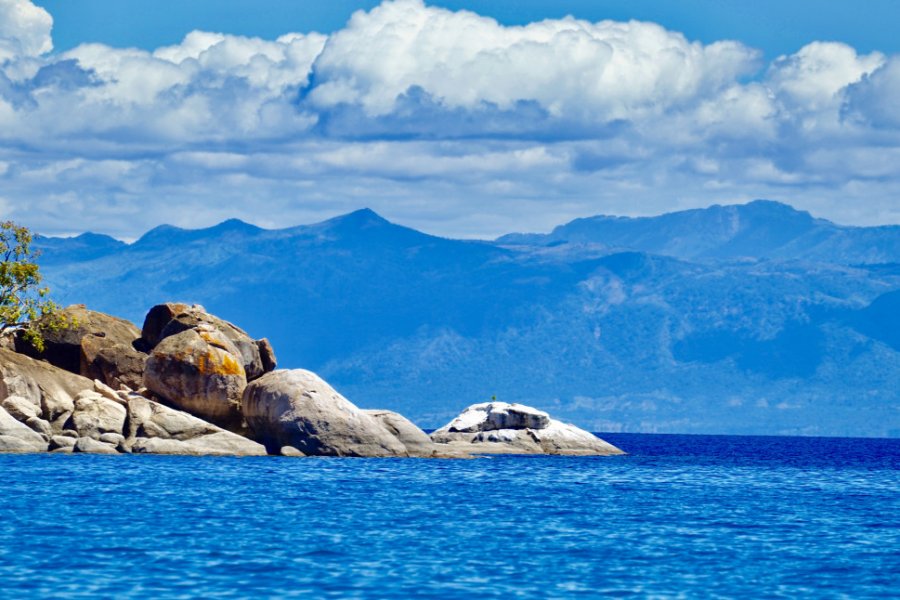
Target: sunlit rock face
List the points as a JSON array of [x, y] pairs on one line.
[[503, 428], [200, 371], [298, 409], [165, 320]]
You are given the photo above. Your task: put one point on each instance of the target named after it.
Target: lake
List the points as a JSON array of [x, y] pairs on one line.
[[681, 516]]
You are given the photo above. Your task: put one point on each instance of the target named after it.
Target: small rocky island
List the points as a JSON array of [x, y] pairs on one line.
[[192, 383]]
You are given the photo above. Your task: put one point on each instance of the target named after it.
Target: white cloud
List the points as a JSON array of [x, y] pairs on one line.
[[596, 71], [874, 100], [814, 77], [275, 65], [24, 30], [212, 88], [445, 120]]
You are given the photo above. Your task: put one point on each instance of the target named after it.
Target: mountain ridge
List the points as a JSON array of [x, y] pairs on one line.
[[757, 229], [609, 338], [760, 229]]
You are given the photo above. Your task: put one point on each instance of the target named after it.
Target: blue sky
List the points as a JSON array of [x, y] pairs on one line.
[[775, 26], [118, 115]]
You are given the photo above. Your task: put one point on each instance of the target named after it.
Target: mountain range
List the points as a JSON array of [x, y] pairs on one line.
[[759, 229], [747, 319]]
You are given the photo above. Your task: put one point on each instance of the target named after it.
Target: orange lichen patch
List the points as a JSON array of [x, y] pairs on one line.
[[219, 363], [214, 361]]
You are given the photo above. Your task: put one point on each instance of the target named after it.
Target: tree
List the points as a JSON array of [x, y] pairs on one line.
[[23, 303]]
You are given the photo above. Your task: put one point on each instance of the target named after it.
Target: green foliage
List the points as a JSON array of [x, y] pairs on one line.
[[22, 301]]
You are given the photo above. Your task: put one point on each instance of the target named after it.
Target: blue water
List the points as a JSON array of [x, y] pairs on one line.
[[689, 516]]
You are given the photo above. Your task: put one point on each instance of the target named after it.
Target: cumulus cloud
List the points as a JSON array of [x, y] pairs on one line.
[[874, 99], [814, 76], [594, 71], [210, 88], [442, 119], [24, 30]]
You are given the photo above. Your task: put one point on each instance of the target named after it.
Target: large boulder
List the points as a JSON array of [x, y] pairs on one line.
[[49, 391], [62, 344], [21, 408], [117, 365], [493, 416], [157, 318], [200, 371], [416, 441], [95, 415], [502, 428], [297, 408], [156, 429], [18, 437], [166, 320]]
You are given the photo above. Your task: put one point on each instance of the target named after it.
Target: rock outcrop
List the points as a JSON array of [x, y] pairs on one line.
[[298, 409], [33, 388], [502, 428], [95, 415], [43, 408], [115, 364], [156, 320], [494, 416], [63, 344], [166, 320], [191, 383], [416, 441], [157, 429], [200, 371], [18, 437]]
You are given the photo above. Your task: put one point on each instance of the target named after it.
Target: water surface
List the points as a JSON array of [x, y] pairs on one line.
[[679, 516]]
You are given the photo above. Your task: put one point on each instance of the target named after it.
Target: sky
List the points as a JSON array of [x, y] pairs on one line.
[[461, 118]]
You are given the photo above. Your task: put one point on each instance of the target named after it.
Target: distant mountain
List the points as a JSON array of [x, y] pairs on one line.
[[86, 246], [611, 339], [759, 229]]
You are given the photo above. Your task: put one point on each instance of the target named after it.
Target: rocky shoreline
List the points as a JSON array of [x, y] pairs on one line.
[[191, 383]]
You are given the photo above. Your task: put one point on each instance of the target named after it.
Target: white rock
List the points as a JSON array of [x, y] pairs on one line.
[[501, 428], [21, 408], [95, 415], [112, 438], [223, 443], [562, 438], [157, 429], [61, 441], [18, 437], [107, 392], [489, 416], [290, 451], [92, 446], [40, 426]]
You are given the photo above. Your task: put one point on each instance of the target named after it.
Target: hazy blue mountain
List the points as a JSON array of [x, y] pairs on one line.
[[611, 339], [759, 229], [86, 246]]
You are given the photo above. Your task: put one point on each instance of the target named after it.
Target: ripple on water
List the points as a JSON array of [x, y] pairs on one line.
[[681, 515]]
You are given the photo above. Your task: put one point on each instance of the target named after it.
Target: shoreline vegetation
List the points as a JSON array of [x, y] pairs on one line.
[[191, 383]]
